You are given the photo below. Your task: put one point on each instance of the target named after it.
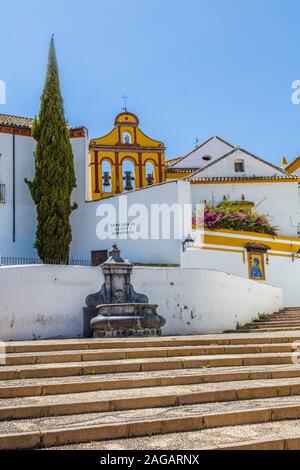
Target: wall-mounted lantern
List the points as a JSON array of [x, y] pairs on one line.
[[188, 243]]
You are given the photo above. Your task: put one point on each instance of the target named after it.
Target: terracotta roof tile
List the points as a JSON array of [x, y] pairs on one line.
[[27, 123], [15, 121], [241, 178], [172, 162], [182, 170]]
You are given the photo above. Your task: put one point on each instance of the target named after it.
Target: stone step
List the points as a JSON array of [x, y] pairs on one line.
[[284, 318], [57, 431], [289, 315], [271, 321], [60, 392], [135, 353], [278, 435], [291, 442], [94, 344], [269, 329], [272, 324], [151, 397], [142, 365], [127, 381]]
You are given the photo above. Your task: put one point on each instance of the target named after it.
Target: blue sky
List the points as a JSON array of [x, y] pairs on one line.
[[192, 68]]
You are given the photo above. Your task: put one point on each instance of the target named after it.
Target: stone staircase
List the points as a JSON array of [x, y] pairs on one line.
[[285, 320], [232, 391]]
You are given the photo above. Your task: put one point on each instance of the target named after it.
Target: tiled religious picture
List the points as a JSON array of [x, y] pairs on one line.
[[256, 264]]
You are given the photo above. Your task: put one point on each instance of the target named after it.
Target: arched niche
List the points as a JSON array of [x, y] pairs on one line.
[[106, 177], [128, 175], [126, 138], [150, 173]]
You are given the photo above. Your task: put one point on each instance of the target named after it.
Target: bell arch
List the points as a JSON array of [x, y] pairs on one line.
[[128, 174], [107, 183], [150, 173]]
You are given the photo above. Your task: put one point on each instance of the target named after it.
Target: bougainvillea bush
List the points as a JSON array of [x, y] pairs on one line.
[[232, 218]]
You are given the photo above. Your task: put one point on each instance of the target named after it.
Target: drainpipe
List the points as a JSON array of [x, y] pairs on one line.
[[14, 186]]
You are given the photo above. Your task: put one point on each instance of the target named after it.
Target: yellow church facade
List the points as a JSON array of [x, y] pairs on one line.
[[124, 160]]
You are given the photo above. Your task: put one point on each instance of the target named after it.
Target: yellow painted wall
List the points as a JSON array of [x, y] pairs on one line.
[[139, 151], [226, 240]]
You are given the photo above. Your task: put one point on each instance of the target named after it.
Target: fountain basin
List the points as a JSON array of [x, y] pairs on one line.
[[125, 320]]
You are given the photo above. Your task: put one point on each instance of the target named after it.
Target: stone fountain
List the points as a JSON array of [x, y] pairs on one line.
[[117, 310]]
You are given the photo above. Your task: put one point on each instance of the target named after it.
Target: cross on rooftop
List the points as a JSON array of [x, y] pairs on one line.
[[125, 98]]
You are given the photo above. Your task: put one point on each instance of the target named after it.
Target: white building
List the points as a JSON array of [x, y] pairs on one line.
[[17, 211], [216, 169]]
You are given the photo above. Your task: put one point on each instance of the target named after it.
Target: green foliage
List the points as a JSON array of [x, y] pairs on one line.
[[54, 178], [262, 317]]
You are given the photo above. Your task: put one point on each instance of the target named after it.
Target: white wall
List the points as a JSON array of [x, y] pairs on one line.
[[253, 167], [281, 272], [25, 211], [205, 301], [25, 208], [281, 201], [46, 301], [152, 251], [214, 148]]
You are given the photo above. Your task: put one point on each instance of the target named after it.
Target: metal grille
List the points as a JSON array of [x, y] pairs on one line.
[[12, 261], [2, 193]]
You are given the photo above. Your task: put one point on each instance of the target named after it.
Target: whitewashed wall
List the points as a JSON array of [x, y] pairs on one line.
[[281, 272], [253, 167], [46, 301], [25, 208], [152, 251], [281, 201], [205, 301], [213, 148]]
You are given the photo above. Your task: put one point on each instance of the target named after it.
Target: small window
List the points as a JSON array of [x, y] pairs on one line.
[[206, 158], [239, 166]]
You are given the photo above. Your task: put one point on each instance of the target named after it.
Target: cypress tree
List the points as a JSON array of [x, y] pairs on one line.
[[54, 178]]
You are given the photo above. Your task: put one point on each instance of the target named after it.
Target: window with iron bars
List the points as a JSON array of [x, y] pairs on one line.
[[2, 193]]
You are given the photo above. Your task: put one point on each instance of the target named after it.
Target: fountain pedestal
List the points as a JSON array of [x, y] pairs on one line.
[[117, 310]]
